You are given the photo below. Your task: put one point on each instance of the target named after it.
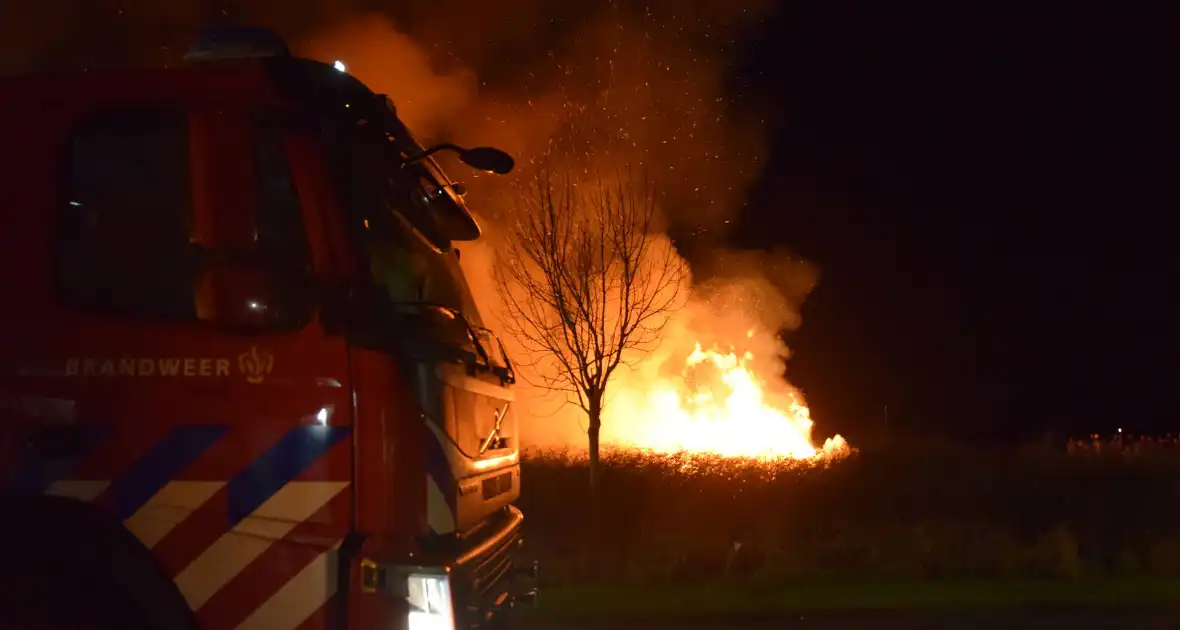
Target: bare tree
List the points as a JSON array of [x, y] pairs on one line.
[[587, 285]]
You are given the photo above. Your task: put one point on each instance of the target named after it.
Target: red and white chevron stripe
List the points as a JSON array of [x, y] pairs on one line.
[[274, 570]]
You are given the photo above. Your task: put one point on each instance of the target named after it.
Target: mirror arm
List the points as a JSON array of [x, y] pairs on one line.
[[446, 146]]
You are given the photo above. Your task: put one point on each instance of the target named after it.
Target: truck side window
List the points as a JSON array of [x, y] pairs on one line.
[[282, 237], [365, 188], [397, 266], [126, 216], [416, 203], [403, 266]]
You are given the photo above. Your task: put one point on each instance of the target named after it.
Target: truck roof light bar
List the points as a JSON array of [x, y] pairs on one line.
[[237, 42]]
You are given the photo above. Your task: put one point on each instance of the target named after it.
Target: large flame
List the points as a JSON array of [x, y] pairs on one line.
[[720, 407], [715, 403]]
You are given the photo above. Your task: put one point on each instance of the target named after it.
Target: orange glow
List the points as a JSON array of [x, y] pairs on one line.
[[493, 462], [715, 383]]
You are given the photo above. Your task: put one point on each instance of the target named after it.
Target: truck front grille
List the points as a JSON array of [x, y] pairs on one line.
[[495, 486], [484, 568]]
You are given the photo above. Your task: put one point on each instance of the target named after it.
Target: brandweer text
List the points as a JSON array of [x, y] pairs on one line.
[[163, 366]]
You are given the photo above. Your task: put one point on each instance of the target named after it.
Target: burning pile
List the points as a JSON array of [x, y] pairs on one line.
[[720, 407], [715, 386], [717, 405]]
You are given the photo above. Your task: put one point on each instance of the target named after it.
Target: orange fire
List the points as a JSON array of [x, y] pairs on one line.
[[716, 404]]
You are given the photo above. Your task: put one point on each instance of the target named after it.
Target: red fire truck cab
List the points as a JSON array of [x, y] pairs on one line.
[[243, 382]]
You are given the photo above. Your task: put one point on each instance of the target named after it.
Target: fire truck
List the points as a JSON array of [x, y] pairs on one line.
[[243, 381]]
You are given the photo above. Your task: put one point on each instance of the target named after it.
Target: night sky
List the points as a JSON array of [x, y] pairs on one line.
[[987, 196]]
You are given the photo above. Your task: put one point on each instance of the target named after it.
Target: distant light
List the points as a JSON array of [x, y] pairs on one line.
[[1120, 429], [321, 416], [339, 65], [255, 305]]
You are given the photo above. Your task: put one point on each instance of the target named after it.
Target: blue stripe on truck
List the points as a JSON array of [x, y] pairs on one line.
[[439, 468], [166, 459], [266, 475], [39, 473]]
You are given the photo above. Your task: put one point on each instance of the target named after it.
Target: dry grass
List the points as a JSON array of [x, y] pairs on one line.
[[1094, 509]]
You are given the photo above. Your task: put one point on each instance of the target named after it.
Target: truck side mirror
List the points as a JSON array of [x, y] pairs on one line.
[[252, 296], [488, 159]]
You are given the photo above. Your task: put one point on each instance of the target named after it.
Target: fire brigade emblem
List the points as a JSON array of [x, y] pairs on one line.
[[255, 364]]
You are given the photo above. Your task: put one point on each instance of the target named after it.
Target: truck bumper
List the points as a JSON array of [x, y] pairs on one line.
[[492, 580], [473, 589]]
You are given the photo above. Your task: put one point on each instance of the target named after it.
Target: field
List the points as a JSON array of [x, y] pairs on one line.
[[1087, 512]]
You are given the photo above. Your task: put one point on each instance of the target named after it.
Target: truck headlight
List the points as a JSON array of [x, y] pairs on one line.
[[429, 597]]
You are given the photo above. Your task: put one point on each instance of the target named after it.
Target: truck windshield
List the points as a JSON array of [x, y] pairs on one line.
[[497, 355]]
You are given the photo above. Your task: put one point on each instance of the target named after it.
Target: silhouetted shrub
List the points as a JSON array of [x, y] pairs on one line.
[[917, 512]]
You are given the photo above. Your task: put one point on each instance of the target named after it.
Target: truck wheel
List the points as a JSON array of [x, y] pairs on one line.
[[36, 598], [56, 573]]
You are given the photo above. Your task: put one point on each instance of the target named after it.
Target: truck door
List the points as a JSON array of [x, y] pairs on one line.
[[175, 373]]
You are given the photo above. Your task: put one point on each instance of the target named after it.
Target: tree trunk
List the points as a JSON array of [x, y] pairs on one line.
[[595, 424]]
